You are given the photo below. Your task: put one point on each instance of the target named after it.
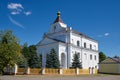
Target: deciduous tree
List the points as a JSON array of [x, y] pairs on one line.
[[9, 50], [102, 56]]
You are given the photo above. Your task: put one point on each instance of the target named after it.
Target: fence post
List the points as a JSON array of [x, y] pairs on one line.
[[15, 69], [60, 71], [93, 71], [77, 71], [43, 70], [28, 70], [89, 70]]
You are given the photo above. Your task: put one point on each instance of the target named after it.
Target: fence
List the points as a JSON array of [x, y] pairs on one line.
[[51, 71], [69, 71], [84, 71], [21, 71], [35, 71]]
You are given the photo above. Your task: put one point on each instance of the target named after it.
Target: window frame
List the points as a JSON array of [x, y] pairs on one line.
[[90, 46], [85, 45], [78, 43], [90, 56]]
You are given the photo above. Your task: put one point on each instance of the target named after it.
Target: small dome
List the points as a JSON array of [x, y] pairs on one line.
[[58, 19]]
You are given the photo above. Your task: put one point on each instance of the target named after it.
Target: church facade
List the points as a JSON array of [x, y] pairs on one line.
[[66, 43]]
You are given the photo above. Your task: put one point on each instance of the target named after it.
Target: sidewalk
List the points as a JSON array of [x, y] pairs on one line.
[[53, 77]]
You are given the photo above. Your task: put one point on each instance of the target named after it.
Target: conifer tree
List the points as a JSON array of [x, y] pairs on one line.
[[52, 60], [31, 58], [26, 56], [34, 61], [48, 61], [40, 59], [76, 61]]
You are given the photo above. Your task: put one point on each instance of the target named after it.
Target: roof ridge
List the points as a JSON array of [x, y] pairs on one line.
[[115, 59]]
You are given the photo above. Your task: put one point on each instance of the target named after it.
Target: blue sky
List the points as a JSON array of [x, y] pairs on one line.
[[30, 19]]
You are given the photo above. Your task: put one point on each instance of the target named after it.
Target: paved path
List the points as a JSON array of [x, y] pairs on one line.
[[84, 77]]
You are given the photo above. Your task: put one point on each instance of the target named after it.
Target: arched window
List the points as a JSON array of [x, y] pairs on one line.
[[63, 60], [90, 46], [78, 43], [85, 45]]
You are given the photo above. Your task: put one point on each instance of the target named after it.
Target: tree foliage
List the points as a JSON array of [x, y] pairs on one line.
[[9, 49], [34, 61], [52, 60], [76, 61], [116, 57], [26, 54], [40, 59], [25, 51], [102, 56], [31, 58]]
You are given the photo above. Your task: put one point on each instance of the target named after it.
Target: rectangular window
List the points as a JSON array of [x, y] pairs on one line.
[[78, 43], [90, 57], [90, 46], [85, 56], [84, 45], [72, 41], [95, 57]]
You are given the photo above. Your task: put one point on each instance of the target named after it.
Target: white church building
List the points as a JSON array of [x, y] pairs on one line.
[[66, 43]]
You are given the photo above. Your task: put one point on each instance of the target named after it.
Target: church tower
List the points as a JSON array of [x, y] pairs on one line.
[[58, 24]]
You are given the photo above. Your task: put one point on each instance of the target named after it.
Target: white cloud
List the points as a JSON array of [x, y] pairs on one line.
[[15, 12], [100, 36], [17, 8], [106, 34], [15, 22], [27, 13]]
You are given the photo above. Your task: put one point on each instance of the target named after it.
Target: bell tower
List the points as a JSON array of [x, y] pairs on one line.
[[58, 24]]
